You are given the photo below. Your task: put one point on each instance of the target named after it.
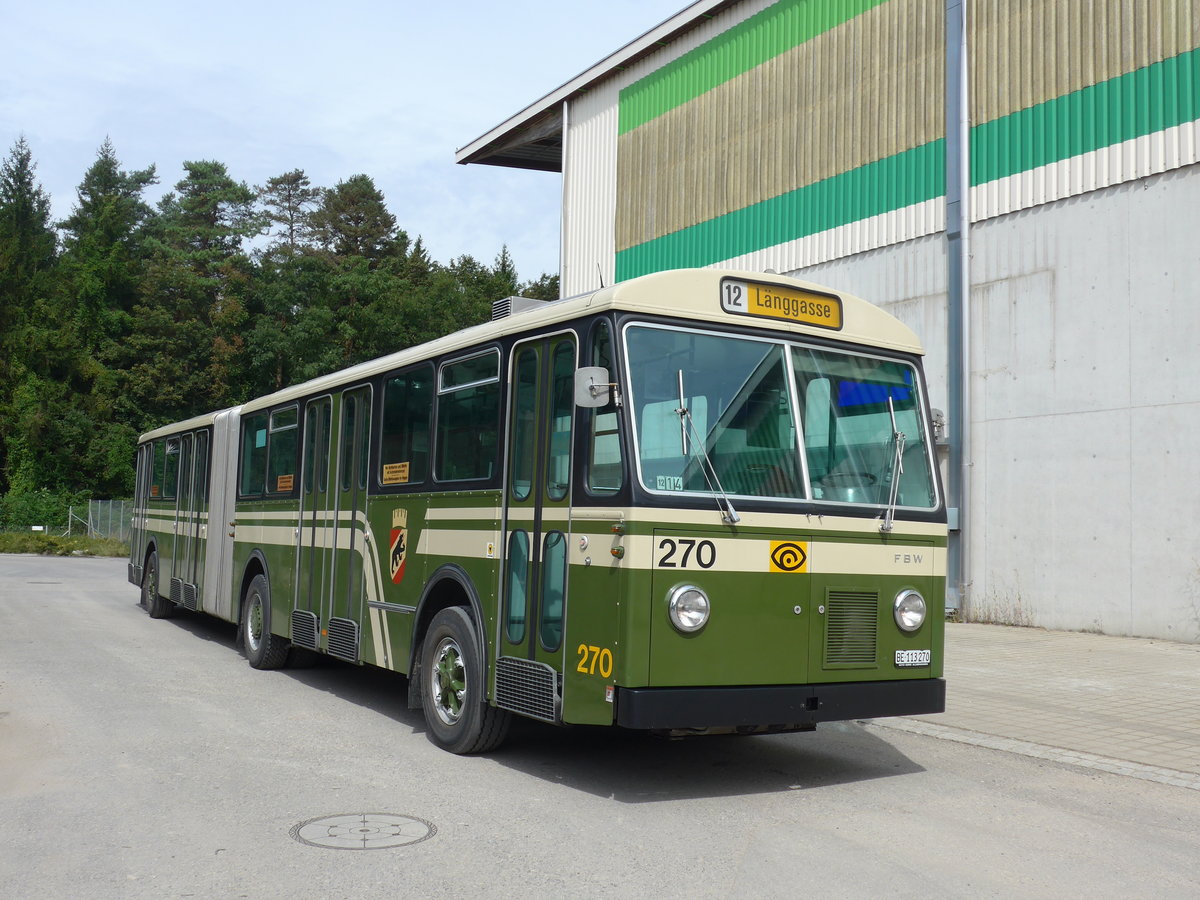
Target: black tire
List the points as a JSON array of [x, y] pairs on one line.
[[458, 716], [158, 606], [264, 650]]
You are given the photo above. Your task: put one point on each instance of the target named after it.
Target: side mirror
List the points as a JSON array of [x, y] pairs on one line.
[[592, 387]]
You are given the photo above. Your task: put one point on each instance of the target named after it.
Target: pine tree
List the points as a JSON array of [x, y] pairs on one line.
[[353, 220], [102, 242], [288, 201], [28, 254], [184, 355], [101, 267]]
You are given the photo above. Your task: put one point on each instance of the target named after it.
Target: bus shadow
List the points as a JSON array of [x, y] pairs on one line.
[[631, 767], [207, 628], [625, 766]]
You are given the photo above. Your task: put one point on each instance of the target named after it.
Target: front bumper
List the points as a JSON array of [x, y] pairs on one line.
[[771, 705]]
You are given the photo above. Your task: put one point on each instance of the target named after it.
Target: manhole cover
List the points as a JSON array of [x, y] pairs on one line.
[[363, 831]]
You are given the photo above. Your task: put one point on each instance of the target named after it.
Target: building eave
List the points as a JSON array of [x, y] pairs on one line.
[[532, 139]]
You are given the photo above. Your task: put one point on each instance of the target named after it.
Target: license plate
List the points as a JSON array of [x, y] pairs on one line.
[[909, 658]]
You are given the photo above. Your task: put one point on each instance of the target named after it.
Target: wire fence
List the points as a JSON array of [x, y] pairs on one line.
[[108, 519], [98, 519]]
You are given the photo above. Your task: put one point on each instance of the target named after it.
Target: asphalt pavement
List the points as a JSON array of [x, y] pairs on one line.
[[1130, 706]]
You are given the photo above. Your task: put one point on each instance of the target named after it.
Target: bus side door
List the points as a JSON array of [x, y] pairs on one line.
[[537, 517], [314, 547], [351, 530]]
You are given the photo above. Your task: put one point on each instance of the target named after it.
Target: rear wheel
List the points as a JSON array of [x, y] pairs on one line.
[[154, 603], [263, 649], [452, 696]]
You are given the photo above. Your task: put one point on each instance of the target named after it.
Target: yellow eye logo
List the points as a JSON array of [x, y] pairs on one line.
[[789, 556]]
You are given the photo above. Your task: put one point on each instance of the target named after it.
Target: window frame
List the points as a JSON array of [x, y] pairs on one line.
[[430, 426], [789, 344], [440, 392]]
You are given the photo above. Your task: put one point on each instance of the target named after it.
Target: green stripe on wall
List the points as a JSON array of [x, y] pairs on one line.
[[1151, 99], [775, 30], [904, 179]]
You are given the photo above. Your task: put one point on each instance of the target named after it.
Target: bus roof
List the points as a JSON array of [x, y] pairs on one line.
[[681, 293], [186, 425]]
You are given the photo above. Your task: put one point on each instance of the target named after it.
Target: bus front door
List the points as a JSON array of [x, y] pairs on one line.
[[537, 527], [348, 597]]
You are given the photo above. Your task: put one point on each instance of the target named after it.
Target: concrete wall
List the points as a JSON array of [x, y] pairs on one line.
[[1085, 402]]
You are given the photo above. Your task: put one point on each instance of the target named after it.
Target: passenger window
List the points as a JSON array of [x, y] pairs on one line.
[[281, 463], [159, 468], [171, 475], [562, 408], [254, 455], [468, 418], [202, 467], [554, 588], [316, 445], [349, 413], [516, 586], [524, 425], [404, 451], [185, 471]]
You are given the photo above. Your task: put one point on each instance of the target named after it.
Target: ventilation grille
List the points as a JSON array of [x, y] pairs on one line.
[[343, 639], [510, 306], [190, 597], [851, 626], [176, 590], [527, 687], [304, 629]]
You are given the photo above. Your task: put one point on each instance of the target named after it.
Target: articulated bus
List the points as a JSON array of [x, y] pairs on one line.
[[698, 501]]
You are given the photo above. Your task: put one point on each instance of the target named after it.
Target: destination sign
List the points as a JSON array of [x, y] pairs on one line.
[[773, 301]]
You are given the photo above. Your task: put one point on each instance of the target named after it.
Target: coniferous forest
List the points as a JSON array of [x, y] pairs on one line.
[[126, 316]]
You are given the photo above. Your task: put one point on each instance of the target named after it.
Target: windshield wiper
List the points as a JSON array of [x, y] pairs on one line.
[[728, 513], [897, 470]]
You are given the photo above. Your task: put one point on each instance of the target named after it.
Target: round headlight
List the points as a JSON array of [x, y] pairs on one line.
[[909, 610], [688, 606]]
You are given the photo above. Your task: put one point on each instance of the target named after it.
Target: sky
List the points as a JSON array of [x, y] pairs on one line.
[[389, 89]]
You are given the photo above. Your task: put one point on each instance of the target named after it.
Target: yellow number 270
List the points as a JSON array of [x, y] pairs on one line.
[[594, 660]]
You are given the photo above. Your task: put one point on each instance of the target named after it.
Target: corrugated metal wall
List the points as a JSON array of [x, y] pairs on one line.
[[815, 127], [590, 194], [1068, 96], [830, 118]]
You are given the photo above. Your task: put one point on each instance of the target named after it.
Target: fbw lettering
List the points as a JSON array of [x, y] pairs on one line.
[[909, 559]]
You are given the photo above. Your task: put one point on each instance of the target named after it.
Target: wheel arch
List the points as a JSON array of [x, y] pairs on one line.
[[255, 565], [449, 585]]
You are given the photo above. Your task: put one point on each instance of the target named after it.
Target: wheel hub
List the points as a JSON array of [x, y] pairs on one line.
[[448, 682]]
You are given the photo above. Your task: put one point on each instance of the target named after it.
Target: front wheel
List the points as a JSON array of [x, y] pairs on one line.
[[263, 649], [452, 696]]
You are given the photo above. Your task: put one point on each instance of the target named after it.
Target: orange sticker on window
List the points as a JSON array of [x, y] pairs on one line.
[[395, 473], [283, 483]]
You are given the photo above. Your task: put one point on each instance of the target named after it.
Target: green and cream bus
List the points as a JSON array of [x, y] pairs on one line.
[[696, 501]]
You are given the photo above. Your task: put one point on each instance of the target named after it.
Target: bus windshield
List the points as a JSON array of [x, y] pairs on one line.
[[775, 420]]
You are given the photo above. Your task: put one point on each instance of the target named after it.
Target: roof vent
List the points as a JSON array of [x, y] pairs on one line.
[[511, 306]]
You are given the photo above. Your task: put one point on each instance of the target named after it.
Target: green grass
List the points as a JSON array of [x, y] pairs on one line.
[[54, 545]]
